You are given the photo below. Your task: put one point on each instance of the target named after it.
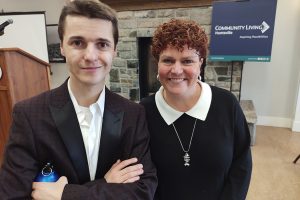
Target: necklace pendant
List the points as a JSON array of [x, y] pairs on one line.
[[186, 159]]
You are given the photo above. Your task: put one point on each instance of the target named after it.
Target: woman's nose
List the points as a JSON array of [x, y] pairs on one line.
[[176, 68]]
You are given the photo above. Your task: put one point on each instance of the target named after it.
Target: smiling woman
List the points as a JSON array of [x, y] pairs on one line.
[[203, 126]]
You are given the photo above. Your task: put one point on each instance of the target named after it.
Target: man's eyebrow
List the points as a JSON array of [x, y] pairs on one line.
[[103, 40], [82, 38], [76, 38]]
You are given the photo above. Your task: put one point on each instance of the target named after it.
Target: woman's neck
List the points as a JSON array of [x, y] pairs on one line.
[[183, 103]]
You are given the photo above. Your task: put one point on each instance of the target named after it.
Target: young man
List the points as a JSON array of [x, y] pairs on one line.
[[96, 140]]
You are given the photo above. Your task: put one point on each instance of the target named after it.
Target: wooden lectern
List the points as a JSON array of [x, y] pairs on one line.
[[22, 75]]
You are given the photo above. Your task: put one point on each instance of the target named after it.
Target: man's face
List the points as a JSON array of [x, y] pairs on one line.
[[88, 46]]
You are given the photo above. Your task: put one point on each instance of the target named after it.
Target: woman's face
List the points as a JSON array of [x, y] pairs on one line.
[[179, 71]]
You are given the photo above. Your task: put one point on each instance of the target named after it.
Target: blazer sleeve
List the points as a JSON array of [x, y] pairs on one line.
[[238, 180], [19, 166], [136, 144]]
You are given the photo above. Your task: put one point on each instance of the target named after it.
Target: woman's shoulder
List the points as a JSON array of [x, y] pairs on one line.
[[222, 92], [223, 95]]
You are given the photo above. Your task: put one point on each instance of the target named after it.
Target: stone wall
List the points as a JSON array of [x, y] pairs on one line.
[[124, 77]]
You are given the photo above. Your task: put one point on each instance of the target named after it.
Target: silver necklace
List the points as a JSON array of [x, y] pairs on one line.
[[186, 157]]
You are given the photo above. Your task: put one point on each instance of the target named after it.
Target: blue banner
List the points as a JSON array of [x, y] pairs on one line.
[[242, 30]]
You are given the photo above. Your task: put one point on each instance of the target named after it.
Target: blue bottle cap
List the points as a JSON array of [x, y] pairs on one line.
[[47, 174]]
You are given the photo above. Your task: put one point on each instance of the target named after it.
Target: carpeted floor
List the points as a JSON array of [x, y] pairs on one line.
[[274, 175]]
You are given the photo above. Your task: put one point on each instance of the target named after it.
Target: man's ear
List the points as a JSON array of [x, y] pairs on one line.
[[61, 49], [115, 52]]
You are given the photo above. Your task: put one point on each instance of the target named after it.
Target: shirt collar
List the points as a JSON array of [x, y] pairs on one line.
[[199, 110], [93, 107]]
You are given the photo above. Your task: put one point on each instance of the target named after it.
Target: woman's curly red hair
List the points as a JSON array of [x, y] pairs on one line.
[[177, 33]]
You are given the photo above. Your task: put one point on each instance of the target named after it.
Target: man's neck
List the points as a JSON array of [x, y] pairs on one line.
[[86, 94]]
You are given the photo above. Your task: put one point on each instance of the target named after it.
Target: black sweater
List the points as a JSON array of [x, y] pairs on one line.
[[220, 165]]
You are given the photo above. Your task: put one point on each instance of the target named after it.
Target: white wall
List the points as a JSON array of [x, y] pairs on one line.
[[33, 35], [52, 7], [296, 122], [273, 86]]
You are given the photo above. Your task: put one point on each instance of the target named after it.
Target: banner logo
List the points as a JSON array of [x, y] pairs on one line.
[[265, 27]]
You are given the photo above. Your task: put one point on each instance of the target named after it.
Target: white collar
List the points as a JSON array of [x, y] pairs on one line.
[[199, 110], [80, 109]]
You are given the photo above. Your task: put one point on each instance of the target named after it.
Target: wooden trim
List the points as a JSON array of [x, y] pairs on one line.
[[3, 88], [22, 13], [127, 5], [26, 54]]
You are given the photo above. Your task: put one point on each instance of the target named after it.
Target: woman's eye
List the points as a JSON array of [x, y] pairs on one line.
[[187, 62], [167, 61]]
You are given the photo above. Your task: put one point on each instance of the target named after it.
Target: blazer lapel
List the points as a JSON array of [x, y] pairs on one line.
[[109, 150], [65, 118]]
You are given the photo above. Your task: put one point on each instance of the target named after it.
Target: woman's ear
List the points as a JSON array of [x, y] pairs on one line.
[[201, 61]]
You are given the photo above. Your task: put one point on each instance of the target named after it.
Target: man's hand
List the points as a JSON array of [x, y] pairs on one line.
[[49, 191], [121, 172]]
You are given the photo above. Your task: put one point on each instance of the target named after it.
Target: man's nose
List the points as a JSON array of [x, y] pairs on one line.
[[91, 53]]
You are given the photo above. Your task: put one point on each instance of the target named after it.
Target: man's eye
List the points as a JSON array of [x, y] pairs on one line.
[[77, 43], [104, 46]]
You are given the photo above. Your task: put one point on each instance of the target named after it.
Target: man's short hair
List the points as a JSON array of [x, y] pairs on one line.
[[89, 9]]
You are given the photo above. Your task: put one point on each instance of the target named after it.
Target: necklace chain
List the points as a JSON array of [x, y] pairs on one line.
[[185, 151]]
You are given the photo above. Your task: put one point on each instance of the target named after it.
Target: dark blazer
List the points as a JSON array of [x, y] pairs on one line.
[[45, 128]]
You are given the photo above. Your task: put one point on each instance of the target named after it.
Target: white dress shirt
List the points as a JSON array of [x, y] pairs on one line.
[[90, 120], [199, 110]]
